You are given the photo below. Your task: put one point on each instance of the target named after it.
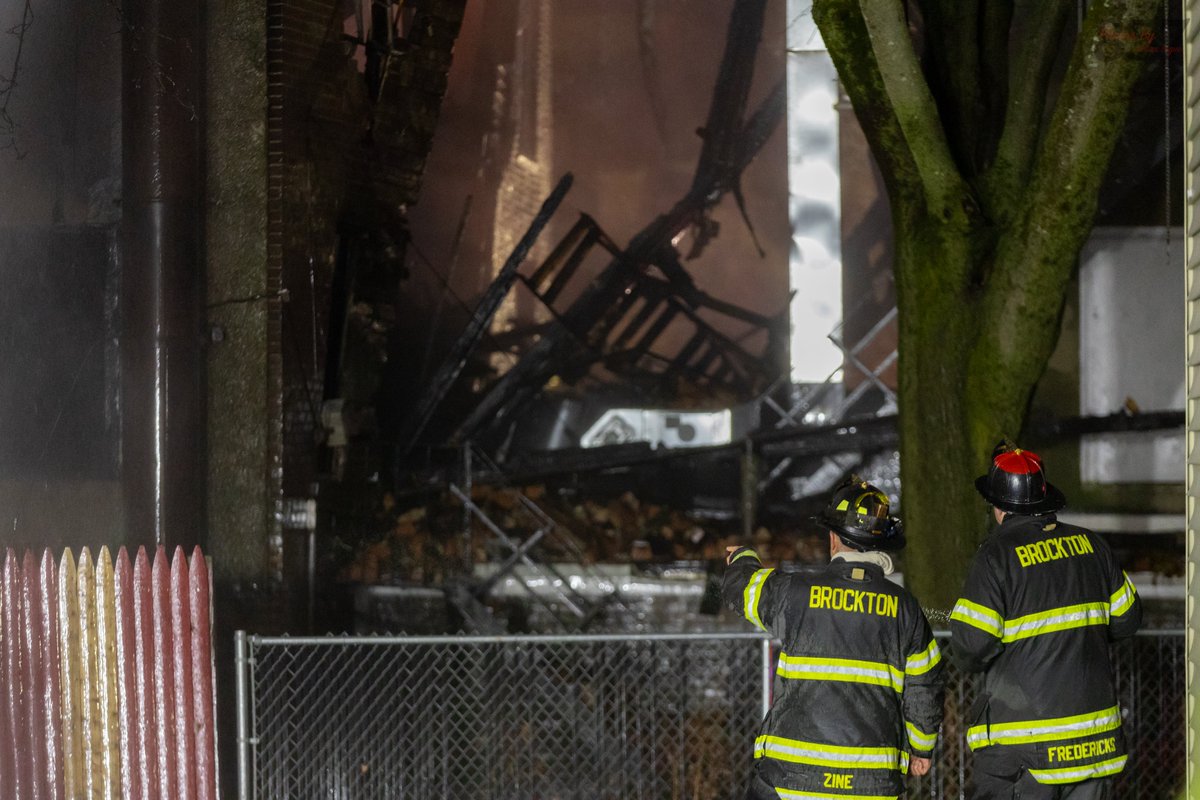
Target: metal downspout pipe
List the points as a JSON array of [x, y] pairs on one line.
[[162, 287]]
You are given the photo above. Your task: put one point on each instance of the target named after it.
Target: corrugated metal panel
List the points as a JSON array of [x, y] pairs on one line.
[[106, 677]]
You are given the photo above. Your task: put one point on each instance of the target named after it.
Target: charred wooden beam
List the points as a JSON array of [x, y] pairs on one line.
[[484, 312], [561, 252], [730, 143], [1122, 421], [651, 305], [656, 329], [702, 299]]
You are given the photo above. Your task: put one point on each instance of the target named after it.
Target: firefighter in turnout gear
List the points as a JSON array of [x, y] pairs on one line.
[[1041, 603], [859, 683]]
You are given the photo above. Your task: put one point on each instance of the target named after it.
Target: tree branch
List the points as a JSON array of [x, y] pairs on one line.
[[954, 60], [914, 107], [1023, 297], [927, 195], [1041, 27], [849, 44], [995, 27]]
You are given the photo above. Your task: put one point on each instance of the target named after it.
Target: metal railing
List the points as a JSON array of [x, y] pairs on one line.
[[585, 716]]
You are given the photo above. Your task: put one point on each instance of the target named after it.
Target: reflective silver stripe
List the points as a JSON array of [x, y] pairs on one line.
[[978, 616], [1045, 730], [817, 754], [919, 739], [1073, 774], [796, 794], [754, 594], [924, 661], [840, 669], [1122, 598], [1055, 619]]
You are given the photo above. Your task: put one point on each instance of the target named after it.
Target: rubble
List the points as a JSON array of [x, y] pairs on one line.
[[424, 544]]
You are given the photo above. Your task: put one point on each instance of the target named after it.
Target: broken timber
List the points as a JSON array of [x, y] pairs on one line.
[[453, 365], [729, 145]]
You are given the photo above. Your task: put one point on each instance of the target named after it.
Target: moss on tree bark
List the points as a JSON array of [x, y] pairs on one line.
[[993, 185]]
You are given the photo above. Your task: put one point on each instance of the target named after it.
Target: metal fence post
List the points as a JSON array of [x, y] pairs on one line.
[[243, 716]]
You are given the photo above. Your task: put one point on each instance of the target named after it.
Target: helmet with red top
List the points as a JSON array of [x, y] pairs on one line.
[[1016, 483]]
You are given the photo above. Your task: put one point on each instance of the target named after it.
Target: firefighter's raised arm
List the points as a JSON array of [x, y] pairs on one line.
[[750, 589]]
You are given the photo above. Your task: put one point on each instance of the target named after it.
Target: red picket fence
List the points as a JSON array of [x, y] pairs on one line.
[[106, 678]]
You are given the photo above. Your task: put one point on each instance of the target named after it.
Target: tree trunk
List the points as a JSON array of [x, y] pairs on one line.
[[937, 328]]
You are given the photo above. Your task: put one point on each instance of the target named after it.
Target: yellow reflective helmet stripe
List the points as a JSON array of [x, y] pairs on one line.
[[1055, 619], [848, 670], [1073, 774], [752, 594], [919, 739], [1122, 598], [979, 616], [1045, 730], [924, 661], [817, 754]]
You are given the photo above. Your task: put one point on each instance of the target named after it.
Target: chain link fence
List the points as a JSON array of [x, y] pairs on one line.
[[668, 717], [486, 717]]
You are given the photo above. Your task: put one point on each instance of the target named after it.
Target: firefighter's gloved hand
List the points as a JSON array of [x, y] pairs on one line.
[[918, 766]]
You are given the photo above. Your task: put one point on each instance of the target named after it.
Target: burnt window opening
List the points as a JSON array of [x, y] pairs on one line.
[[377, 31]]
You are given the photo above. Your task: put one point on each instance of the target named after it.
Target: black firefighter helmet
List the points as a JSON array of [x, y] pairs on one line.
[[1016, 483], [858, 514]]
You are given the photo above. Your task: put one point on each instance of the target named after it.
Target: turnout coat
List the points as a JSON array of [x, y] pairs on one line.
[[1041, 603], [859, 682]]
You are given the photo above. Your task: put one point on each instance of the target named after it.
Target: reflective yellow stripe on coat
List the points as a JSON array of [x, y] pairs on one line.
[[1045, 730], [923, 661], [919, 739], [978, 616], [1122, 598], [816, 754], [745, 554], [796, 794], [752, 594], [1055, 619], [1050, 621], [1072, 774], [848, 670]]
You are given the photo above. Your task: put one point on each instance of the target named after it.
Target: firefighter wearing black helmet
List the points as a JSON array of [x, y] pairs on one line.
[[859, 683], [1041, 603]]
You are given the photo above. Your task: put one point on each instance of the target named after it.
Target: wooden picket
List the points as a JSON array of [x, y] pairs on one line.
[[106, 677]]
